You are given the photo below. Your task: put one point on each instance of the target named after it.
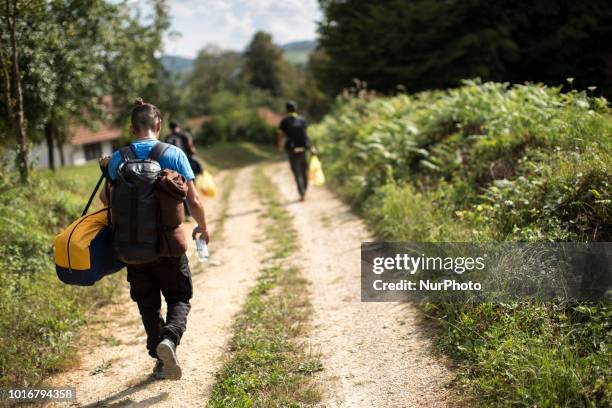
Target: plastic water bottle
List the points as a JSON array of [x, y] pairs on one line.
[[202, 249]]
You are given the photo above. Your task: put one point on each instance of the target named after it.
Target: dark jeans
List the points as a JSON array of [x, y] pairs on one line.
[[299, 167], [171, 277]]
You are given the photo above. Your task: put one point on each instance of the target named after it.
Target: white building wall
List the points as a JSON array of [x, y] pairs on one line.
[[74, 155], [40, 157], [78, 156], [107, 148]]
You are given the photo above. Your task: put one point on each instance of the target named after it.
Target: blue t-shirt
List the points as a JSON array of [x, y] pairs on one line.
[[173, 159]]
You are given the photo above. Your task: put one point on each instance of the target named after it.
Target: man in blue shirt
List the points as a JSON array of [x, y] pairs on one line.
[[169, 276]]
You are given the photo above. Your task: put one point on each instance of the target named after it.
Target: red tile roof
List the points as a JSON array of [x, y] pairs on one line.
[[270, 117], [195, 123], [84, 135]]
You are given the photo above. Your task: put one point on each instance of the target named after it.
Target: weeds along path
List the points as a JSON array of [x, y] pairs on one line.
[[113, 367], [373, 354]]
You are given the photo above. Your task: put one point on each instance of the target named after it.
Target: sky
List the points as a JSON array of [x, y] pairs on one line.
[[230, 24]]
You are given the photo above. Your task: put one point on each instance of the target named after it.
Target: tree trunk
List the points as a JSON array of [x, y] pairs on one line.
[[49, 135], [19, 125], [61, 150]]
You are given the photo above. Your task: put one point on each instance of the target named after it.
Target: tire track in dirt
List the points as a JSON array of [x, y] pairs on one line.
[[373, 354], [117, 372]]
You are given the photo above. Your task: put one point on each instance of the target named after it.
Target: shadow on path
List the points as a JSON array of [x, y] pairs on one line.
[[117, 400]]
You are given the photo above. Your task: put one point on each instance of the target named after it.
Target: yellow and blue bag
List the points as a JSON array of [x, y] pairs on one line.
[[84, 251]]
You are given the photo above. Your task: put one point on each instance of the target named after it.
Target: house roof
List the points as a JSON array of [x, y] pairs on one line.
[[270, 117], [84, 135], [196, 122]]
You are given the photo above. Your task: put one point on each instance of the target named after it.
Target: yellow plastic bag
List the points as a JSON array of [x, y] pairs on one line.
[[206, 184], [316, 176]]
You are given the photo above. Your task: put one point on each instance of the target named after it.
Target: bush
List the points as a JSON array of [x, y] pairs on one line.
[[490, 162], [234, 117], [39, 315]]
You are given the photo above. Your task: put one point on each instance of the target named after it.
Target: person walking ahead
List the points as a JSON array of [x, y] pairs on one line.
[[297, 142], [169, 276], [184, 141]]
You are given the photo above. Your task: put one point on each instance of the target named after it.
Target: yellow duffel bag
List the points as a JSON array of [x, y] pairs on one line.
[[84, 251]]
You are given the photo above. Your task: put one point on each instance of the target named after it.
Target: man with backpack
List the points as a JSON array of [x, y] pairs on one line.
[[184, 141], [133, 172], [293, 127]]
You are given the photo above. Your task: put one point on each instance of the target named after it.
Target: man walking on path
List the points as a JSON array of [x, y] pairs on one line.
[[184, 141], [293, 126], [169, 276]]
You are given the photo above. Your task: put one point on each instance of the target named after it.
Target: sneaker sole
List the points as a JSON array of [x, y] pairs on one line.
[[172, 370]]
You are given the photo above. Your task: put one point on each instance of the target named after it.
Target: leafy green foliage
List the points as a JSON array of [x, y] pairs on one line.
[[214, 71], [490, 162], [263, 63], [531, 160], [234, 117], [39, 315], [425, 44], [73, 55], [222, 83]]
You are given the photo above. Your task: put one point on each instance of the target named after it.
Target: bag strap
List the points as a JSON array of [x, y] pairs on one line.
[[128, 153], [93, 195], [158, 151]]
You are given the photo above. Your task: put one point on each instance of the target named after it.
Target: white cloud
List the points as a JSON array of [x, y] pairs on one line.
[[232, 23]]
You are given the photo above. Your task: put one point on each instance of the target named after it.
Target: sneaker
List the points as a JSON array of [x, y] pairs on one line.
[[158, 370], [166, 352]]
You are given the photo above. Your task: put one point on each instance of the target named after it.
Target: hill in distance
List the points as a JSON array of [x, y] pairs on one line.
[[296, 52], [175, 64]]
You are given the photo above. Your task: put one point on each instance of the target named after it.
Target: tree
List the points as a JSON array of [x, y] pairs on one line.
[[263, 63], [214, 70], [70, 55], [17, 17], [424, 44]]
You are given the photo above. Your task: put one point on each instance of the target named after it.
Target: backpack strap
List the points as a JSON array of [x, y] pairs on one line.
[[93, 194], [158, 151], [127, 153]]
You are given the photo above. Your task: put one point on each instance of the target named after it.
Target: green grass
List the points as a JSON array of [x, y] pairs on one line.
[[268, 367], [480, 163], [40, 317], [227, 156]]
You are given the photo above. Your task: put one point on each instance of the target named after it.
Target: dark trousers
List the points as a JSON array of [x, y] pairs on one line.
[[171, 277], [299, 167]]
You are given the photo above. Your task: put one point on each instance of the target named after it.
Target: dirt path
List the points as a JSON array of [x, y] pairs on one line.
[[114, 369], [373, 354]]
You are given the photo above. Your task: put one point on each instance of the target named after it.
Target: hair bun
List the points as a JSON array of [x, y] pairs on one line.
[[139, 102]]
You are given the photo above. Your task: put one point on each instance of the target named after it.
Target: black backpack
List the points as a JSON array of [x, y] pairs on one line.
[[178, 140], [135, 207]]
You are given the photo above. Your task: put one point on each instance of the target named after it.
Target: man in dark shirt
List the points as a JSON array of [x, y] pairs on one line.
[[180, 139], [293, 126], [184, 141]]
